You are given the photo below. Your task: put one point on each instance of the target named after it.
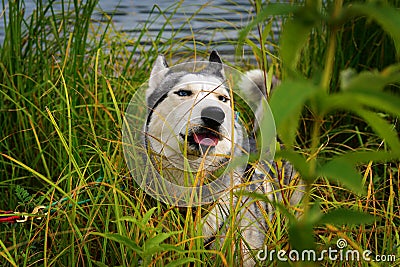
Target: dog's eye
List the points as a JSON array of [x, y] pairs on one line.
[[183, 93], [223, 98]]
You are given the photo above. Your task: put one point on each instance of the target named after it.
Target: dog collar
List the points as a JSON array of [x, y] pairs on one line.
[[237, 114]]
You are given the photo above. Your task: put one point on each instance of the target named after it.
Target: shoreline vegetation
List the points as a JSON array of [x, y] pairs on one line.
[[65, 85]]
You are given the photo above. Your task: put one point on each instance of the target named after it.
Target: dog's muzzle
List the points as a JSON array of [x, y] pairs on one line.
[[207, 136]]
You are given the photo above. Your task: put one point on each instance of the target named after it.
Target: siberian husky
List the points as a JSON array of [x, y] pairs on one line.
[[192, 132]]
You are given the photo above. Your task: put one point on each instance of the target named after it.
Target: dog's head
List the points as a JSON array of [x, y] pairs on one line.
[[190, 120]]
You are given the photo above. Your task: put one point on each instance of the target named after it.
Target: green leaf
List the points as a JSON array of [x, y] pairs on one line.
[[147, 215], [265, 14], [301, 236], [340, 170], [295, 35], [267, 132], [155, 241], [355, 100], [123, 240], [346, 216], [382, 128], [132, 219], [22, 194], [288, 128], [153, 245], [378, 100], [314, 213], [168, 247], [287, 103], [149, 252], [366, 89], [367, 156], [370, 80], [142, 223], [386, 16], [338, 101], [298, 161], [254, 48]]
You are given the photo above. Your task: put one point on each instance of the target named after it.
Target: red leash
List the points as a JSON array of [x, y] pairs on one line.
[[15, 218], [9, 219]]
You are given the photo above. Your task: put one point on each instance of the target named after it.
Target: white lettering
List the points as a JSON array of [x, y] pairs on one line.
[[330, 251], [281, 255], [263, 258], [332, 254], [311, 255], [293, 255], [355, 255], [322, 257], [366, 254]]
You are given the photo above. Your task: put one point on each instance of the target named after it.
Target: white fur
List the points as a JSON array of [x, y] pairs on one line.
[[177, 115]]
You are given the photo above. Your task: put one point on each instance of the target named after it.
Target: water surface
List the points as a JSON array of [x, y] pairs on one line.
[[206, 24]]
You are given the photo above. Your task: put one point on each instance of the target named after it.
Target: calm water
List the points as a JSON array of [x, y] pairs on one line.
[[215, 23]]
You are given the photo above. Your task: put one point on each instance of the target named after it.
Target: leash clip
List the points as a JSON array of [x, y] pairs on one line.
[[35, 211]]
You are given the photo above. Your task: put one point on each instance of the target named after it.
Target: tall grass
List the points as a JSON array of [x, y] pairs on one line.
[[62, 101], [64, 87]]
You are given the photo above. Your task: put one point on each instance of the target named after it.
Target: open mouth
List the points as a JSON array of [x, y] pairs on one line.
[[206, 139], [202, 139]]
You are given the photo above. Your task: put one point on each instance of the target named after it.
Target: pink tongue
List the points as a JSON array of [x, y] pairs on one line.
[[205, 139]]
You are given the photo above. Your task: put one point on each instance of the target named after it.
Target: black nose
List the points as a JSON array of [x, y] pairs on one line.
[[212, 116]]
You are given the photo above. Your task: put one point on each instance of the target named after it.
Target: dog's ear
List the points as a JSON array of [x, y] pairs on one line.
[[214, 57], [160, 68], [217, 68]]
